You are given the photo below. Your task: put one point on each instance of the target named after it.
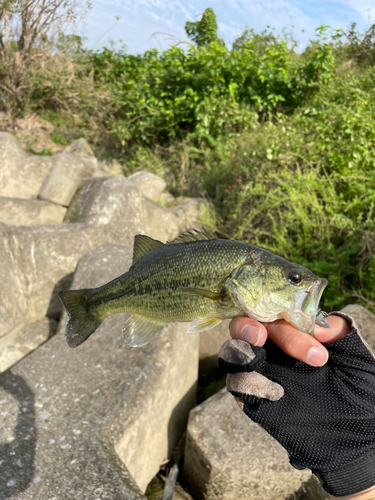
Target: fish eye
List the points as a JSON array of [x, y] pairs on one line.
[[295, 277]]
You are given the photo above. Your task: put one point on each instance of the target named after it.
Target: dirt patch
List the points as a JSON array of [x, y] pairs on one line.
[[33, 133]]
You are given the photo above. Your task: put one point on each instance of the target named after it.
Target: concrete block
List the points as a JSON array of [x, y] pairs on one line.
[[112, 201], [160, 223], [40, 259], [20, 343], [80, 147], [166, 198], [46, 257], [150, 185], [228, 457], [66, 411], [21, 175], [21, 212], [65, 176], [365, 321], [189, 211], [13, 302]]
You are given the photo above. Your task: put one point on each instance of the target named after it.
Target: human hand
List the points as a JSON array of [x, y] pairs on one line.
[[293, 342], [324, 417]]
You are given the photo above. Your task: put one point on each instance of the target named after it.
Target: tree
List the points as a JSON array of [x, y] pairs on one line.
[[204, 32], [26, 27]]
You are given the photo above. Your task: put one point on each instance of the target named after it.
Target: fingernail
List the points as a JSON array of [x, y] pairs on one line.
[[251, 334], [317, 356]]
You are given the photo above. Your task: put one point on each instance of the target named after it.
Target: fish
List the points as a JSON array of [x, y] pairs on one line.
[[196, 278]]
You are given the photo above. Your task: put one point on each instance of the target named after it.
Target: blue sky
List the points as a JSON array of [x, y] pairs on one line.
[[139, 19]]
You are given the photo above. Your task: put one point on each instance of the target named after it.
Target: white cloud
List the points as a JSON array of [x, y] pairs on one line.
[[365, 8]]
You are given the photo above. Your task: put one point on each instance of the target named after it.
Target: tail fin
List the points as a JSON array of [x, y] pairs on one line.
[[82, 323]]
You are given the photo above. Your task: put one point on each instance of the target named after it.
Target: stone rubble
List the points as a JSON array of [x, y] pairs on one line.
[[188, 211], [65, 176], [43, 239], [150, 185], [76, 423], [21, 175], [99, 419], [96, 422], [21, 212]]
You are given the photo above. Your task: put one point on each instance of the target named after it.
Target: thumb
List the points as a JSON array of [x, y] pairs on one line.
[[239, 356]]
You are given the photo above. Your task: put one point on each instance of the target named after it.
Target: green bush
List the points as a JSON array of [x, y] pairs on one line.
[[302, 186], [207, 92]]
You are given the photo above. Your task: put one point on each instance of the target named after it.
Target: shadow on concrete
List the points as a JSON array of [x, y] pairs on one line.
[[55, 306], [17, 456], [178, 422], [207, 363]]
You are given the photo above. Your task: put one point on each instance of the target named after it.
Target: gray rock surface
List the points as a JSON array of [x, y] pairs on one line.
[[166, 198], [113, 201], [20, 212], [229, 457], [40, 259], [365, 321], [13, 303], [21, 175], [46, 257], [80, 147], [150, 185], [189, 212], [66, 175], [14, 347], [160, 223], [65, 411]]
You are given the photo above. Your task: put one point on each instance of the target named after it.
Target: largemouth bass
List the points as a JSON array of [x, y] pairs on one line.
[[197, 278]]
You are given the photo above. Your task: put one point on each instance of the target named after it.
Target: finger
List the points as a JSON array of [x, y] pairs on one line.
[[339, 329], [254, 384], [297, 344], [248, 329]]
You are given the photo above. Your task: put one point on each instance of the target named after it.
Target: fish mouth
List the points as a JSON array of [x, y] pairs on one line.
[[307, 306], [314, 293]]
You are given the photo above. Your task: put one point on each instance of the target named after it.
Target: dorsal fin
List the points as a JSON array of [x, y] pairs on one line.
[[193, 235], [143, 245]]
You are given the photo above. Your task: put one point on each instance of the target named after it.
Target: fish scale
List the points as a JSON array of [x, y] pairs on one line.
[[197, 278], [152, 287]]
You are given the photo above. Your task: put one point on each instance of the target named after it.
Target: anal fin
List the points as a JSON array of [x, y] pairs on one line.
[[201, 325], [139, 331]]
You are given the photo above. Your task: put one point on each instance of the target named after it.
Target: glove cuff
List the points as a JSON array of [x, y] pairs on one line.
[[356, 476]]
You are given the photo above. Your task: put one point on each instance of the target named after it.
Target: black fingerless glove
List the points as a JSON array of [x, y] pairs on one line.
[[324, 417]]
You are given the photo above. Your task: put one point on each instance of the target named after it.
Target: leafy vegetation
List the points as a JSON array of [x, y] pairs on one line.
[[282, 144], [204, 32], [206, 92]]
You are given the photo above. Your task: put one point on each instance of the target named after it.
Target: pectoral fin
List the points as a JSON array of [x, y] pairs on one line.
[[216, 297], [201, 325], [139, 331]]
